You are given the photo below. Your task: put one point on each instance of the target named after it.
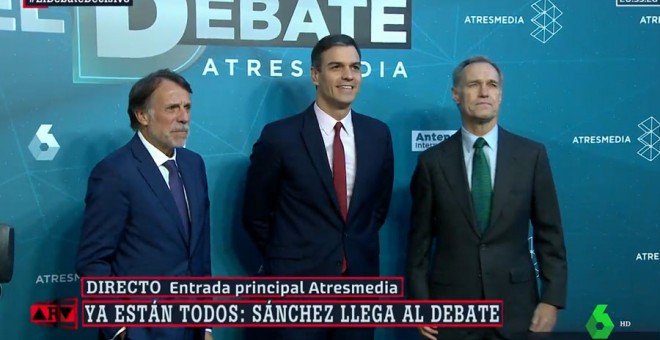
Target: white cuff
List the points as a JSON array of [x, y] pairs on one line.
[[118, 332]]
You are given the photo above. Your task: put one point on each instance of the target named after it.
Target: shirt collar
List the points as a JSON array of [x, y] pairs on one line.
[[469, 138], [158, 156], [327, 123]]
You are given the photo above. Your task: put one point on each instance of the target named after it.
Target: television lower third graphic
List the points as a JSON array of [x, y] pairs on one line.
[[44, 146], [59, 313], [650, 139], [546, 20]]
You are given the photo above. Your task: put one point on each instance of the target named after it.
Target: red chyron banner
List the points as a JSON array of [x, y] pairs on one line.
[[291, 313], [258, 302]]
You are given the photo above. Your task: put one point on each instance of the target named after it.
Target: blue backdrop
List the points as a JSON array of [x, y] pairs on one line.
[[580, 76]]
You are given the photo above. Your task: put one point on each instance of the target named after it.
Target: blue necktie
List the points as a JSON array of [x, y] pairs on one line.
[[482, 191], [176, 187]]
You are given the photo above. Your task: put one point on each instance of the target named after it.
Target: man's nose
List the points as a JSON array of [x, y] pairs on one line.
[[348, 73], [184, 115], [483, 91]]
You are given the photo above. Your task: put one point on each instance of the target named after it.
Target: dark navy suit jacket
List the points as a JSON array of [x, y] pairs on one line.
[[291, 209], [132, 228]]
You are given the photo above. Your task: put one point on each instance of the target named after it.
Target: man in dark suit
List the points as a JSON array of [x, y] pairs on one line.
[[474, 196], [147, 205], [319, 183]]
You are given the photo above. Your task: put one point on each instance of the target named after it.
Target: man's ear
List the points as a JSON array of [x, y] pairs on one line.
[[142, 116], [315, 75], [455, 94]]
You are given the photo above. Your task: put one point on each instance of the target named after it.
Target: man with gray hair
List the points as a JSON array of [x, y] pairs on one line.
[[147, 203], [473, 198]]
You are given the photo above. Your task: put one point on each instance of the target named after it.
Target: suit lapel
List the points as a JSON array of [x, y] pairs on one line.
[[149, 171], [504, 174], [311, 135], [362, 147], [190, 184], [457, 178]]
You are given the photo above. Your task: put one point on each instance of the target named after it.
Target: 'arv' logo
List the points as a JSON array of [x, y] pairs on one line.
[[600, 324], [57, 313]]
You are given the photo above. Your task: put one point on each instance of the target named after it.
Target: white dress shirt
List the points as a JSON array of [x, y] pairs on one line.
[[327, 126], [159, 158]]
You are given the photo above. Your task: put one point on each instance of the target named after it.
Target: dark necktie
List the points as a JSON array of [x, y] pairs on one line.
[[176, 187], [482, 191], [339, 179]]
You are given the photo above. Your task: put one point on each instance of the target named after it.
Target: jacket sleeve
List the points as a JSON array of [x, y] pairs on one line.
[[420, 235], [549, 244], [261, 189]]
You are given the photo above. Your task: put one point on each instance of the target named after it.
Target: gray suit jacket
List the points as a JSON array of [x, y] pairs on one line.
[[496, 264]]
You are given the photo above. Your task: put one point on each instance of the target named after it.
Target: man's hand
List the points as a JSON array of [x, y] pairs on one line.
[[208, 336], [428, 332], [544, 319]]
